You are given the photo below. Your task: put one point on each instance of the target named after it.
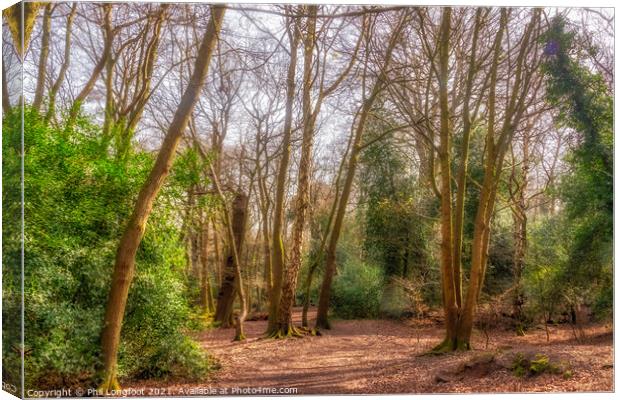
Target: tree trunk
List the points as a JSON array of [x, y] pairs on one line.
[[322, 320], [235, 228], [6, 101], [461, 183], [519, 217], [218, 262], [307, 286], [51, 102], [125, 257], [518, 259], [450, 295], [495, 152], [302, 200], [264, 205], [45, 50], [226, 296], [107, 53], [278, 258], [206, 295], [108, 114], [267, 252]]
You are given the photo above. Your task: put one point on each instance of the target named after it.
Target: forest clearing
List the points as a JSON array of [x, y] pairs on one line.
[[380, 357], [322, 198]]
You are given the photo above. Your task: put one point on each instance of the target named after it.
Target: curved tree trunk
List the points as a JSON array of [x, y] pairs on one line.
[[330, 262], [106, 54], [124, 266]]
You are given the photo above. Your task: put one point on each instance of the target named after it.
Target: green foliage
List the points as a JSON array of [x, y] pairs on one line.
[[523, 365], [500, 269], [397, 211], [11, 248], [584, 106], [357, 290], [546, 258], [78, 198]]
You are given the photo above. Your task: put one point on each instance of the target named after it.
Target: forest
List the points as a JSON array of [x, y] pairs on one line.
[[295, 199]]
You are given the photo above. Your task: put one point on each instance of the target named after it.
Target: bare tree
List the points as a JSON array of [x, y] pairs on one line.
[[125, 256]]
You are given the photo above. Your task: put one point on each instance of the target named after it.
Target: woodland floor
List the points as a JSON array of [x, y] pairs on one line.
[[380, 356]]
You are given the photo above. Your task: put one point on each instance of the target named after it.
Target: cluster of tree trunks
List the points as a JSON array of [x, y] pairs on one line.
[[459, 312]]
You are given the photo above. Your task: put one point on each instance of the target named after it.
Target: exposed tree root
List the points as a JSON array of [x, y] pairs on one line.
[[448, 346], [109, 384], [239, 334], [289, 331]]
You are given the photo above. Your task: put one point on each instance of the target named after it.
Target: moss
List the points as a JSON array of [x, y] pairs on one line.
[[462, 345], [288, 331], [109, 385], [540, 364], [525, 366], [449, 345]]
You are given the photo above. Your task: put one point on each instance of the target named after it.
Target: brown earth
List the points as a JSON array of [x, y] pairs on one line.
[[379, 356]]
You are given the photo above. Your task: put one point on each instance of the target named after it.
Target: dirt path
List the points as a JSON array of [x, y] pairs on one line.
[[370, 356]]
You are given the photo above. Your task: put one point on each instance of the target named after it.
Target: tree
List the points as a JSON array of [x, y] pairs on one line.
[[45, 49], [496, 147], [285, 324], [314, 74], [278, 256], [125, 257], [453, 81], [585, 106], [230, 283], [51, 106], [379, 84], [126, 98], [109, 34]]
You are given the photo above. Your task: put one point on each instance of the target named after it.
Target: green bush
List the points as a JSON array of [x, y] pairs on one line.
[[357, 290], [77, 199]]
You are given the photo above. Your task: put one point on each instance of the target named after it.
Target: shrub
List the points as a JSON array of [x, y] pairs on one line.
[[357, 290], [77, 200]]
